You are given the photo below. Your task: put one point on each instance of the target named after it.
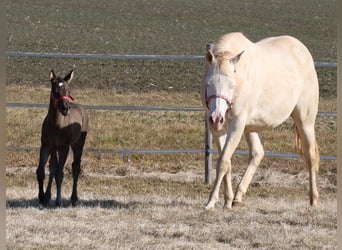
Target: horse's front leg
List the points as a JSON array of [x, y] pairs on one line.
[[62, 156], [256, 153], [43, 157], [220, 139], [223, 169], [53, 163]]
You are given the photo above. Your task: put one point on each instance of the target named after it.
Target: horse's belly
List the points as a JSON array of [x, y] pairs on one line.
[[268, 119], [257, 125]]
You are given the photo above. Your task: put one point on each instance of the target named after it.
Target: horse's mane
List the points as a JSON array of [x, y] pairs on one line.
[[230, 45]]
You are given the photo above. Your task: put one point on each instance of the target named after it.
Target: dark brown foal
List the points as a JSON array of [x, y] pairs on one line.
[[65, 125]]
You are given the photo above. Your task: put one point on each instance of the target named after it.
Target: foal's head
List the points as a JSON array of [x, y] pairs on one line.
[[60, 92]]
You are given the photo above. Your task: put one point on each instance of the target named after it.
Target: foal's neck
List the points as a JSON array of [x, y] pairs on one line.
[[55, 117]]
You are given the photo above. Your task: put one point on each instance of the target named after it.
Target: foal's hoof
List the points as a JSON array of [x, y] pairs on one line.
[[41, 198], [42, 207], [74, 203], [58, 203]]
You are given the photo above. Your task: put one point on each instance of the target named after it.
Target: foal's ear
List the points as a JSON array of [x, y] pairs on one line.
[[209, 56], [69, 76], [52, 75]]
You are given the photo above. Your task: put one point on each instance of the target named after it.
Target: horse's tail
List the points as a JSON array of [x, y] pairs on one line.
[[299, 149]]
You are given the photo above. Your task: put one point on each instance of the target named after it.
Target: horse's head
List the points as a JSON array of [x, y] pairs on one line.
[[60, 92], [219, 82]]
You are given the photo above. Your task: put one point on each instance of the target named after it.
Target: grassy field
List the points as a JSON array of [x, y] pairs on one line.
[[156, 201]]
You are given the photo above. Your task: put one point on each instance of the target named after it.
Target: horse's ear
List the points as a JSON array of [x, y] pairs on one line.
[[69, 76], [52, 75], [209, 57], [236, 58]]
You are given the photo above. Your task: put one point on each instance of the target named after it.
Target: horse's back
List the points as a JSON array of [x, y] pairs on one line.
[[287, 48], [291, 62], [281, 79]]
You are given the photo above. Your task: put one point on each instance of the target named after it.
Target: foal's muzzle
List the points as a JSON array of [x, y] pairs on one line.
[[62, 104], [64, 107]]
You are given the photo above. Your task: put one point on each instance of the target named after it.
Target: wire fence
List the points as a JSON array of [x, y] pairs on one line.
[[121, 56], [126, 153]]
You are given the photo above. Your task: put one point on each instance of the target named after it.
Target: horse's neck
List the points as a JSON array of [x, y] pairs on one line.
[[55, 117]]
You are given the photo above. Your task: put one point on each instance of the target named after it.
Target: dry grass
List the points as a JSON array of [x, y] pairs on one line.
[[154, 210]]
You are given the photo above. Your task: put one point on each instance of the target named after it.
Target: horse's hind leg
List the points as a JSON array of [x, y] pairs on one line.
[[307, 146], [76, 165], [43, 157], [309, 151]]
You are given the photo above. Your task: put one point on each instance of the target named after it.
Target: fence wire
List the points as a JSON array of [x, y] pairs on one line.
[[129, 152]]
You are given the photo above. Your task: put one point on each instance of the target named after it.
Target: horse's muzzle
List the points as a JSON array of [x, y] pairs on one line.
[[216, 121]]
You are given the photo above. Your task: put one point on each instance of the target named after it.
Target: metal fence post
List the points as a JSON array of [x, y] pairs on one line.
[[208, 154], [208, 140]]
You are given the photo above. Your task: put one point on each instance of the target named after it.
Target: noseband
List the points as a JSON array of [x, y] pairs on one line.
[[55, 100], [208, 99]]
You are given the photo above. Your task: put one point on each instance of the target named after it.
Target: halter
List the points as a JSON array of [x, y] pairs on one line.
[[68, 98], [208, 99]]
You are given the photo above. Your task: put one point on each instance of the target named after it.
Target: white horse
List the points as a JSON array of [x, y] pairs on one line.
[[250, 86]]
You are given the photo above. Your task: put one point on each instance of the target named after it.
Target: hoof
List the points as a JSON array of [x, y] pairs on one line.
[[74, 203], [41, 198], [226, 207], [42, 207], [314, 202], [209, 207], [58, 203], [238, 204]]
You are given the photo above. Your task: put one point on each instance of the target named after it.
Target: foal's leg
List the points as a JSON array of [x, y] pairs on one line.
[[43, 157], [76, 165], [62, 156], [52, 167], [256, 153]]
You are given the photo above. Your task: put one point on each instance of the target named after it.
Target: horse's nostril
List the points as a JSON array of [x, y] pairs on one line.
[[211, 119], [216, 120]]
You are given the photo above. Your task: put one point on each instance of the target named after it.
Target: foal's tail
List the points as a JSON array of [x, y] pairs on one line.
[[305, 156]]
